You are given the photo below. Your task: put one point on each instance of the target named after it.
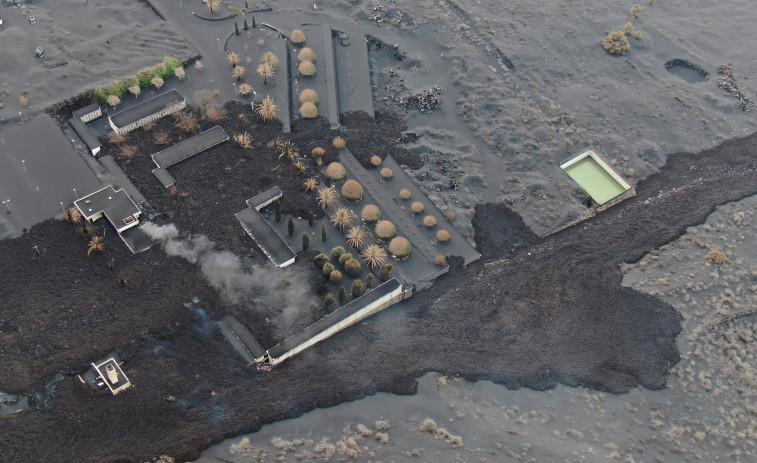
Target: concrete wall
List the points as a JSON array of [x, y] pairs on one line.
[[593, 211]]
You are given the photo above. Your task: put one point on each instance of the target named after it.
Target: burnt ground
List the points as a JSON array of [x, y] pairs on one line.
[[534, 316]]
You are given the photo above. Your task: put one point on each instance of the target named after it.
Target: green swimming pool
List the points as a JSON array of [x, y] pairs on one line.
[[595, 179]]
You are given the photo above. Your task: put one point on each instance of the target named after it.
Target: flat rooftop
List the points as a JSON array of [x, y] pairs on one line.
[[265, 198], [116, 205], [85, 134], [147, 108], [184, 150], [274, 247]]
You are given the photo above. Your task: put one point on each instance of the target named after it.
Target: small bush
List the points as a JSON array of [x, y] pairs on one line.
[[716, 257], [342, 295], [386, 272], [385, 230], [352, 190], [327, 269], [386, 173], [309, 96], [371, 213], [635, 10], [352, 267], [308, 110], [317, 152], [329, 302], [335, 276], [449, 216], [416, 207], [157, 81], [321, 259], [179, 72], [399, 247], [344, 258], [336, 171], [113, 100], [297, 37], [637, 35], [442, 235], [405, 193], [616, 43], [306, 68], [628, 28], [369, 281], [306, 54], [336, 252], [338, 143], [357, 288], [441, 261], [429, 221], [375, 161]]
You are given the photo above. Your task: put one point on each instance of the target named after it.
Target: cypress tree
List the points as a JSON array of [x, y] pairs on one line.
[[386, 272], [277, 210], [236, 28], [245, 26], [311, 218], [342, 295], [357, 288], [324, 233], [253, 22], [290, 226], [305, 242], [369, 281]]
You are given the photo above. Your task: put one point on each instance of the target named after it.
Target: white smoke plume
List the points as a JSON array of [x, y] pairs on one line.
[[285, 291]]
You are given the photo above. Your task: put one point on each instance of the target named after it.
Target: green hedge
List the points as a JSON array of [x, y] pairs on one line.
[[143, 77]]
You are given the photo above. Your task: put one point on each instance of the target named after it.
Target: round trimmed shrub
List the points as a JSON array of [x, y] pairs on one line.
[[308, 110], [308, 96], [321, 259], [442, 235], [441, 261], [386, 173], [357, 288], [317, 152], [306, 54], [335, 276], [352, 267], [344, 258], [371, 213], [352, 190], [385, 230], [297, 36], [306, 68], [405, 193], [399, 247], [429, 221], [327, 268], [375, 161], [416, 207], [336, 252], [335, 171], [338, 143]]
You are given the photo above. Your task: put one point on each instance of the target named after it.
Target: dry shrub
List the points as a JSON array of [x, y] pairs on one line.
[[317, 152], [306, 54], [442, 235], [147, 126], [635, 10], [160, 138], [115, 138], [449, 216], [428, 425], [405, 193], [342, 218], [628, 28], [216, 114], [179, 72], [308, 96], [416, 207], [375, 160], [352, 190], [338, 143], [135, 90], [175, 193], [382, 437], [386, 173], [399, 246], [429, 221], [385, 230], [374, 255], [616, 43], [371, 213], [335, 171], [245, 89], [243, 447], [310, 184], [23, 101], [157, 81], [306, 68], [185, 121], [113, 100], [308, 110], [716, 257], [441, 261], [381, 425], [266, 110], [127, 151], [297, 37], [244, 140]]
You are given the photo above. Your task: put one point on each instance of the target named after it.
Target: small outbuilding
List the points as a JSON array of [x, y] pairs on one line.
[[595, 176], [147, 111], [106, 374]]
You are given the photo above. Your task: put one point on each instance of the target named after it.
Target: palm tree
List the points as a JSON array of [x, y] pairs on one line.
[[310, 184], [342, 218], [356, 237], [212, 6], [238, 72], [270, 58], [73, 216], [245, 89], [374, 255], [232, 58], [95, 244], [286, 148], [265, 70], [267, 109], [326, 196]]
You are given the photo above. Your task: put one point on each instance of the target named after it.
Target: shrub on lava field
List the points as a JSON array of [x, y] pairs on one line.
[[441, 261], [317, 152], [336, 172], [306, 54], [308, 110], [344, 258], [405, 193], [635, 10], [399, 247], [371, 213], [297, 37], [352, 267], [628, 28], [416, 207], [335, 276], [716, 257], [352, 190], [336, 252], [327, 269], [306, 68], [386, 173], [385, 230], [616, 43], [429, 221], [308, 96], [338, 143], [375, 161], [442, 235]]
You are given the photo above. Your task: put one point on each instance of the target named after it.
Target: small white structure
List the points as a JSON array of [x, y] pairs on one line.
[[148, 111], [88, 113], [106, 374]]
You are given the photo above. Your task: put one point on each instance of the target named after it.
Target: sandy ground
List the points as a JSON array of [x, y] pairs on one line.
[[86, 43], [704, 414]]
